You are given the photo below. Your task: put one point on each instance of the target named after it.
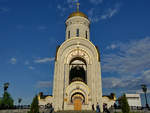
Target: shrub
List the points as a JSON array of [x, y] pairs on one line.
[[0, 102], [34, 106], [6, 102], [124, 104]]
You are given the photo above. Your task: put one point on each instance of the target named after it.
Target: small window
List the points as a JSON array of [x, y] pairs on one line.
[[68, 34], [77, 33], [86, 35]]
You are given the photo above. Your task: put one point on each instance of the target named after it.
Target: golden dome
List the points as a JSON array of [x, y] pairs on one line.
[[77, 14]]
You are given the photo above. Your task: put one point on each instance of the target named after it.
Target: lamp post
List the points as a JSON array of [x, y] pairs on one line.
[[144, 88], [19, 101], [6, 85]]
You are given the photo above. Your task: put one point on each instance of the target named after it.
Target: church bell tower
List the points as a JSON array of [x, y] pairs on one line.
[[77, 76]]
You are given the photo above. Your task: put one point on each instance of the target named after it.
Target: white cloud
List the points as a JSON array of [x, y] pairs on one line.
[[70, 1], [138, 91], [62, 9], [95, 13], [44, 84], [112, 46], [122, 82], [91, 12], [110, 82], [66, 6], [42, 28], [44, 60], [31, 67], [26, 62], [131, 63], [110, 12], [131, 59], [4, 10], [96, 1], [20, 27], [13, 60]]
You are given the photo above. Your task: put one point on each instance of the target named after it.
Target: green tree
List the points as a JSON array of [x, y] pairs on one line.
[[7, 101], [0, 103], [34, 106], [124, 104]]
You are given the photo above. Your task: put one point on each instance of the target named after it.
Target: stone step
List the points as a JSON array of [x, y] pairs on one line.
[[76, 112]]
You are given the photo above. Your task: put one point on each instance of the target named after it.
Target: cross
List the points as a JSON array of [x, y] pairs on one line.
[[78, 4]]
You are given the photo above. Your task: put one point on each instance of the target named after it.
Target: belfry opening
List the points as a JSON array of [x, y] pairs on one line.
[[78, 70]]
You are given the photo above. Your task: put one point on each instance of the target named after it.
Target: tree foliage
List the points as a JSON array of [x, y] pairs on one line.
[[34, 106], [124, 104], [6, 102], [0, 102]]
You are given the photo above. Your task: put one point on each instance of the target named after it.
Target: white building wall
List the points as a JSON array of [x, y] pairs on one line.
[[133, 99]]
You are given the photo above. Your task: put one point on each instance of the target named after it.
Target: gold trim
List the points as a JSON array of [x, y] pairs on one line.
[[74, 38], [77, 14]]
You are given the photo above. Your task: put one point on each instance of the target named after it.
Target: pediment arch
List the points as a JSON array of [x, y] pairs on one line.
[[78, 53], [77, 43]]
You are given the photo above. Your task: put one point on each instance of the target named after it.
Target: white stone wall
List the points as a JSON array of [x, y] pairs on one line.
[[45, 101], [78, 22], [109, 102], [62, 72]]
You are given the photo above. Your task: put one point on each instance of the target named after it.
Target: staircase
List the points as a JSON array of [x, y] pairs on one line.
[[75, 112]]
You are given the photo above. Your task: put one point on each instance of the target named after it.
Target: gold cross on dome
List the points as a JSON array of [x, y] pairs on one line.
[[78, 5]]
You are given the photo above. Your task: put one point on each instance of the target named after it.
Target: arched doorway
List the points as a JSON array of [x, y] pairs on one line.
[[78, 99], [77, 103]]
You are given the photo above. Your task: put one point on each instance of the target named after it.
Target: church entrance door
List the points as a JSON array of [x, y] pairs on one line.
[[77, 103]]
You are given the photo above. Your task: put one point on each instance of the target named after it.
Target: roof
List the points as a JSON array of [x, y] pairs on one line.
[[132, 95], [77, 14]]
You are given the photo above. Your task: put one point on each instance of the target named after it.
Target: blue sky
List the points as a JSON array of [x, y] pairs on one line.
[[30, 31]]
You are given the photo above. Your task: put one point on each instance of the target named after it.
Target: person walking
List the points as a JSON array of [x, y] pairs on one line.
[[51, 108], [105, 108], [97, 108]]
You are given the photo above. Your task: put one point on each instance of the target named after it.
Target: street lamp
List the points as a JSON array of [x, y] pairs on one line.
[[144, 88], [19, 101], [6, 86]]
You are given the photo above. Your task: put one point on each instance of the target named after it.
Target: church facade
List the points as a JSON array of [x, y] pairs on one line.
[[77, 76]]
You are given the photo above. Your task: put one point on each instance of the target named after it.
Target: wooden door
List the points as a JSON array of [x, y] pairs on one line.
[[77, 104]]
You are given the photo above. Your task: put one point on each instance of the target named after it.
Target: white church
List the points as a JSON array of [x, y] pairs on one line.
[[77, 81]]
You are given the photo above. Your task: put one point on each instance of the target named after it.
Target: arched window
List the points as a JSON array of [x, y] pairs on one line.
[[68, 34], [77, 33], [86, 35]]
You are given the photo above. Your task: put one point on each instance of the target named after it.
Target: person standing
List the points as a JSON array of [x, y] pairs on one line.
[[93, 107], [97, 108]]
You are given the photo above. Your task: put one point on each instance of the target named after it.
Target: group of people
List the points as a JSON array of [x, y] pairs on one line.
[[50, 107], [105, 110], [98, 108]]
